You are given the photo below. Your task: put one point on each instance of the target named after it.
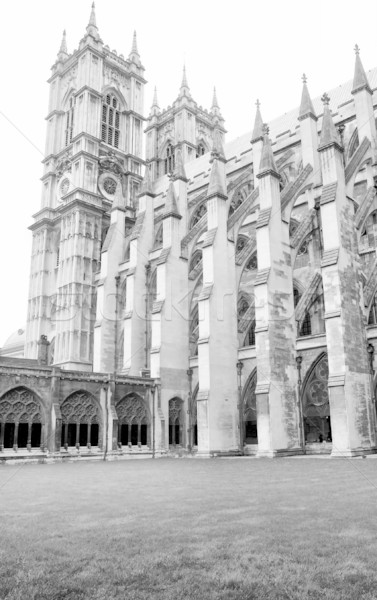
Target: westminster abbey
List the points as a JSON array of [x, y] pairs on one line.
[[200, 297]]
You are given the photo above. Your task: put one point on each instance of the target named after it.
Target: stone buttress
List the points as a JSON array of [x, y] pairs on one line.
[[275, 333], [352, 412], [217, 416]]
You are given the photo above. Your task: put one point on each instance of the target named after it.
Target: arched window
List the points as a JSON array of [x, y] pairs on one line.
[[195, 264], [296, 296], [250, 411], [252, 264], [175, 421], [306, 327], [133, 418], [200, 150], [250, 336], [20, 420], [241, 242], [194, 332], [110, 121], [80, 421], [169, 159], [70, 117], [158, 240], [198, 214], [315, 401]]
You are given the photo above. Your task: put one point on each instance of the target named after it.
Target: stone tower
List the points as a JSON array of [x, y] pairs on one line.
[[185, 126], [93, 156]]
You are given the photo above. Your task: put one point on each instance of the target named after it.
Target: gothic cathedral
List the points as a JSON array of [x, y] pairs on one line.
[[202, 297]]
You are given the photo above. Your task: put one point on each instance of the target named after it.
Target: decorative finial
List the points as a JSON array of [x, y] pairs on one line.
[[266, 129], [63, 45], [215, 103], [325, 99], [257, 104], [304, 78], [184, 78], [357, 49]]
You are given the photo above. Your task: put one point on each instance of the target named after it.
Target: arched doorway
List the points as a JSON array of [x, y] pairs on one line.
[[133, 421], [21, 420], [315, 403], [81, 419], [175, 422], [250, 434]]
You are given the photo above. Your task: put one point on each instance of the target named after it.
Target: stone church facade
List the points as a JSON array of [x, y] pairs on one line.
[[212, 297]]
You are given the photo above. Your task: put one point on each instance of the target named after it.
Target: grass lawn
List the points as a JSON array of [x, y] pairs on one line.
[[230, 529]]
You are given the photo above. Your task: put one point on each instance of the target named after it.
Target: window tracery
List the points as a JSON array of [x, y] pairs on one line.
[[80, 420], [198, 214], [250, 412], [175, 421], [20, 420], [110, 121], [70, 117], [133, 420], [316, 407], [169, 159]]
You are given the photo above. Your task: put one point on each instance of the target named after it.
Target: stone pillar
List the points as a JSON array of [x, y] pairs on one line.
[[275, 333], [351, 409]]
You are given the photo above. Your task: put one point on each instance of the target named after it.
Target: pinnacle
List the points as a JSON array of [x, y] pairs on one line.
[[179, 170], [155, 101], [146, 186], [267, 162], [329, 134], [360, 79], [184, 83], [306, 106], [134, 49], [171, 207], [215, 103], [258, 125], [92, 28], [217, 147], [217, 179], [63, 45]]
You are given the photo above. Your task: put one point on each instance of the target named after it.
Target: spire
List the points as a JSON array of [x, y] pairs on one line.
[[171, 207], [215, 103], [360, 79], [179, 169], [329, 134], [92, 28], [217, 151], [62, 54], [306, 106], [184, 89], [267, 163], [258, 125]]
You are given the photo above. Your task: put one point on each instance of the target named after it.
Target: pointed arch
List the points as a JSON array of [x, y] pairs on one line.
[[176, 421], [82, 420], [315, 402], [249, 404], [22, 419], [133, 420]]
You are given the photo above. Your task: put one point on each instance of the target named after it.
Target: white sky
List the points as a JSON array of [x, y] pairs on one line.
[[249, 49]]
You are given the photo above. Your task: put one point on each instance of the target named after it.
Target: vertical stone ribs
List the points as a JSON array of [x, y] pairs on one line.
[[307, 297]]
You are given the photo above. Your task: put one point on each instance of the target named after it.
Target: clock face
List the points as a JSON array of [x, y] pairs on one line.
[[64, 187], [110, 185]]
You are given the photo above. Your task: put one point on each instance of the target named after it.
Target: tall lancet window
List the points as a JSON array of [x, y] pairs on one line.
[[70, 117], [110, 121], [169, 160]]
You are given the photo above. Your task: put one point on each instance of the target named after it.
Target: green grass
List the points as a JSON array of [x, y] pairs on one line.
[[229, 529]]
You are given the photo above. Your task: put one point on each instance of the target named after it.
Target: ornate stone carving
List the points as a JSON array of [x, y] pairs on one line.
[[19, 406], [132, 409], [80, 407], [110, 185]]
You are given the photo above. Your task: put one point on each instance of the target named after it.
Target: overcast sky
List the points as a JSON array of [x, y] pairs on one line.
[[248, 49]]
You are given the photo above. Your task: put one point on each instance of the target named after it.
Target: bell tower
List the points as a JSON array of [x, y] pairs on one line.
[[93, 155]]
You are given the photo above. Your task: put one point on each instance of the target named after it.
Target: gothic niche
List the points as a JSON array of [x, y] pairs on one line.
[[315, 404], [80, 421], [175, 421], [133, 421], [250, 411], [20, 420]]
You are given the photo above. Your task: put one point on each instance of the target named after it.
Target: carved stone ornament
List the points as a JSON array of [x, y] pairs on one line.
[[64, 165], [110, 162], [64, 186], [110, 185]]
